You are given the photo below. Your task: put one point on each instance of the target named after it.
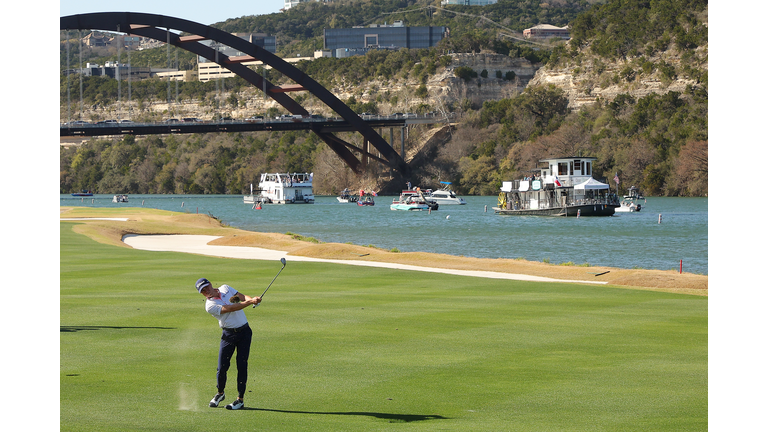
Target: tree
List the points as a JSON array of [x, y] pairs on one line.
[[691, 174]]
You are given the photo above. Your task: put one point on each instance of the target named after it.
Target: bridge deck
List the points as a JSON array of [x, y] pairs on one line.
[[318, 125]]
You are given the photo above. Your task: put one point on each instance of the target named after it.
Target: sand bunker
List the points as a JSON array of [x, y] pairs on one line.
[[199, 244]]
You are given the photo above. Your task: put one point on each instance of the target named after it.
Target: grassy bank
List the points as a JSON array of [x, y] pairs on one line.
[[342, 348], [149, 221]]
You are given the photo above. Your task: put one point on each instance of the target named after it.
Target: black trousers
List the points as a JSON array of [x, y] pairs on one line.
[[234, 340]]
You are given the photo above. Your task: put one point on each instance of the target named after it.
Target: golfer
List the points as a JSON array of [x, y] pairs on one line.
[[226, 305]]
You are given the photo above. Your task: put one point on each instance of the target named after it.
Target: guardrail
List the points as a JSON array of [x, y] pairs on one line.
[[336, 124]]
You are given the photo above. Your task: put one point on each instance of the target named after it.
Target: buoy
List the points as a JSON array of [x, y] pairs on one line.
[[486, 208], [142, 203], [659, 217], [578, 213], [448, 217], [182, 204]]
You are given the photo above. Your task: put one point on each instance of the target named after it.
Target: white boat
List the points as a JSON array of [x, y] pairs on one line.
[[346, 197], [286, 188], [631, 201], [628, 206], [445, 195], [560, 187], [120, 198], [412, 200], [254, 199]]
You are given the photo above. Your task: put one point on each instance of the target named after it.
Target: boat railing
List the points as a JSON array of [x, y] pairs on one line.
[[610, 199]]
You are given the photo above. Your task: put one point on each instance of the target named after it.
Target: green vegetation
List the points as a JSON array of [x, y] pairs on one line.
[[303, 238], [618, 29], [342, 348]]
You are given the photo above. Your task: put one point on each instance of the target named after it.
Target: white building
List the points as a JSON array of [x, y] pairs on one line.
[[546, 31], [468, 2], [291, 3]]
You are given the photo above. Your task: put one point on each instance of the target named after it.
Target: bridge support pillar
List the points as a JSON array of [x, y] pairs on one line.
[[402, 141]]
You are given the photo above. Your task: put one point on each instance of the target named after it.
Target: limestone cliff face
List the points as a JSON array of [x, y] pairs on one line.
[[449, 87], [445, 88], [595, 78]]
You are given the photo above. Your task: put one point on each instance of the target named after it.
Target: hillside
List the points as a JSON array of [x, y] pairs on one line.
[[632, 92], [637, 50]]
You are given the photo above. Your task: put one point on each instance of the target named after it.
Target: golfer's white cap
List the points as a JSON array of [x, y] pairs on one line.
[[201, 283]]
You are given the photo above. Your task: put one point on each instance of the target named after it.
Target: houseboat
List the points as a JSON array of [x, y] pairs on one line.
[[559, 187], [254, 199], [286, 188]]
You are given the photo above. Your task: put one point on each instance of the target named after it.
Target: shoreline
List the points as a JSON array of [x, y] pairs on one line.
[[111, 225]]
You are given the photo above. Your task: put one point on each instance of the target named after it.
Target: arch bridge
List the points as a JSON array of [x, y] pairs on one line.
[[159, 27]]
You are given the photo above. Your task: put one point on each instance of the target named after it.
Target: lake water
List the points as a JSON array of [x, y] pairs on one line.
[[626, 240]]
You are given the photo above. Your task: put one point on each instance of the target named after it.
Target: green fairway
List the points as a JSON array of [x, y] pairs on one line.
[[344, 348]]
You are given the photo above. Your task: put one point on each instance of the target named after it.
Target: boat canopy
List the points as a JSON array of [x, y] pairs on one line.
[[591, 184]]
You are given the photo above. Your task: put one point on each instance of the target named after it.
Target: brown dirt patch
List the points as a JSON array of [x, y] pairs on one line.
[[150, 221]]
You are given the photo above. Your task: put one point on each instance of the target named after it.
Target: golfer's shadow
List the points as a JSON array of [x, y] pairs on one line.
[[393, 418], [72, 329]]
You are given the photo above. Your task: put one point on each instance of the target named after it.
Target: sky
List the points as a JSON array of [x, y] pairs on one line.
[[204, 12]]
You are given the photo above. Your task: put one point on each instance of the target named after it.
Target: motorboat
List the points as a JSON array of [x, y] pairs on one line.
[[346, 197], [286, 188], [628, 206], [366, 200], [560, 187], [413, 199], [120, 198], [83, 193], [445, 195], [631, 201]]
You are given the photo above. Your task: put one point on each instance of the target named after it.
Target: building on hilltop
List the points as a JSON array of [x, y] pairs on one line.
[[178, 75], [93, 39], [292, 3], [468, 2], [121, 71], [262, 40], [546, 31], [208, 70], [359, 40]]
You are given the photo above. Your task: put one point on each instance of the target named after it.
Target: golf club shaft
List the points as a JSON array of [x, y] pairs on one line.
[[270, 284]]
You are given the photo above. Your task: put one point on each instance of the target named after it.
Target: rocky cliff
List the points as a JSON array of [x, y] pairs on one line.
[[591, 78]]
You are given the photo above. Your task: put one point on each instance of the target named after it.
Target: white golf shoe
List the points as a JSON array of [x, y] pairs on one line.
[[237, 404], [216, 399]]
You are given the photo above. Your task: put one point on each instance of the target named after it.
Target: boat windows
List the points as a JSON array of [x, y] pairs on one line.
[[562, 168], [576, 165], [588, 168]]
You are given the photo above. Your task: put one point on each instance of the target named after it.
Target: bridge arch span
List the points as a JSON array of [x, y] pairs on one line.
[[158, 27]]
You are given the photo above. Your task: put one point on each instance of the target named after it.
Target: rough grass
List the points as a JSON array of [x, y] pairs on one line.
[[338, 348], [149, 221]]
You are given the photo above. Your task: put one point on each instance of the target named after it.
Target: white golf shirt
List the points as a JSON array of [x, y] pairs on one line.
[[227, 319]]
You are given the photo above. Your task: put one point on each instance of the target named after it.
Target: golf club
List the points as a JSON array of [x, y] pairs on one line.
[[282, 260]]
